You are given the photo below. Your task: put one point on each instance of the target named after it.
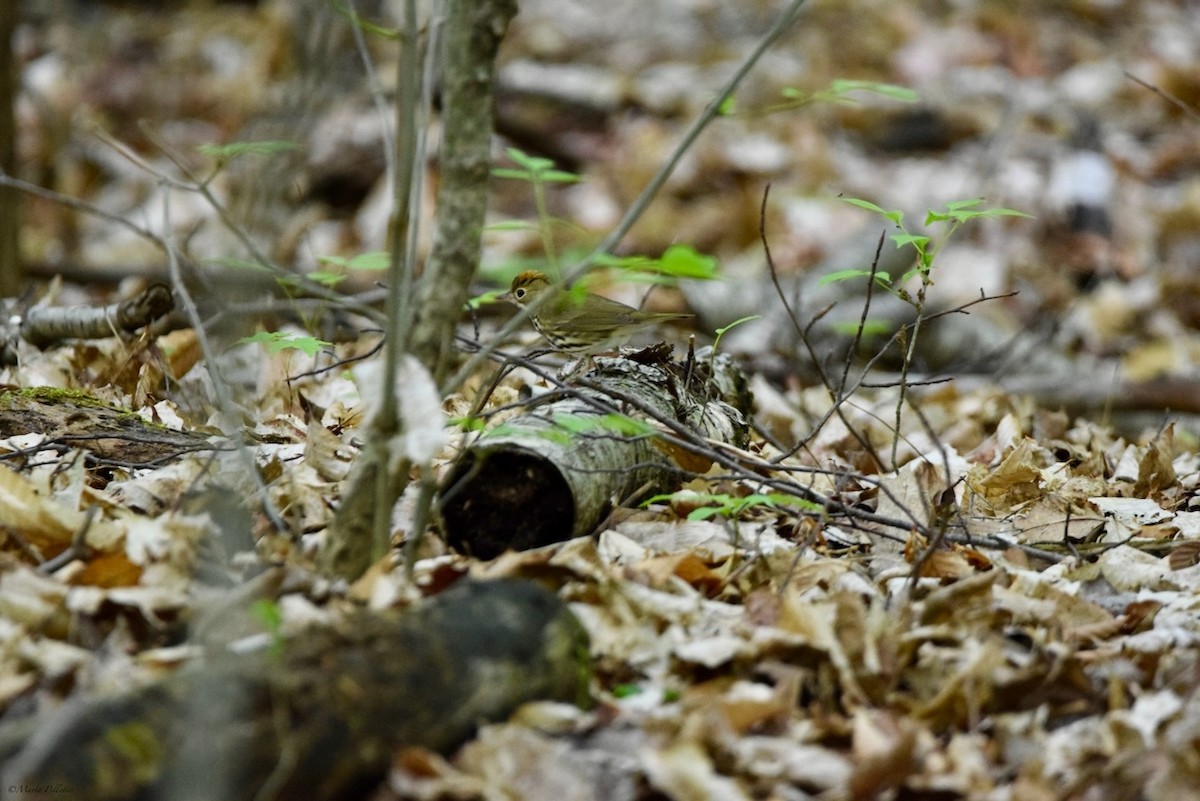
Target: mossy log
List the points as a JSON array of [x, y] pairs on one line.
[[318, 716]]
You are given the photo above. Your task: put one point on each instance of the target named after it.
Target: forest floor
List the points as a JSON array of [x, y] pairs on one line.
[[1033, 634]]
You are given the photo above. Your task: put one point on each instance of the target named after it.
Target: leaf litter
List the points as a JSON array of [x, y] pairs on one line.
[[1049, 651]]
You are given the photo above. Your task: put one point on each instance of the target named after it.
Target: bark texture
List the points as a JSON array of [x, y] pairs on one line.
[[318, 717], [45, 326], [555, 471], [474, 29]]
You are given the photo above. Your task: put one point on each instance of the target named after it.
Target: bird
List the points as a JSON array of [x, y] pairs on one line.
[[574, 322]]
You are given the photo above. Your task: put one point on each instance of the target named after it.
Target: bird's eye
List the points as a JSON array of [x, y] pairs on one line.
[[520, 293]]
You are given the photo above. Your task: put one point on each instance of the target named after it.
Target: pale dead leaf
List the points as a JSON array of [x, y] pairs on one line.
[[884, 752], [30, 598], [1127, 515], [747, 706], [683, 771], [780, 758], [1016, 480], [326, 453], [1156, 469], [708, 540], [43, 522], [515, 762], [912, 492], [1128, 570]]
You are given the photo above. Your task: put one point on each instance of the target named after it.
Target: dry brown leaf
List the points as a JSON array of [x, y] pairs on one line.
[[1185, 555], [1156, 468], [884, 750], [44, 524], [687, 459], [699, 575], [946, 564], [326, 453], [182, 349], [108, 570], [914, 490], [1016, 480], [964, 602], [32, 600], [749, 706]]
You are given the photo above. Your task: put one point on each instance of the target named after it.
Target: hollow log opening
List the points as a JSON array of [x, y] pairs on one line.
[[503, 500]]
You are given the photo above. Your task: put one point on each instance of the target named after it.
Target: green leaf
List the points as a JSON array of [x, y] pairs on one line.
[[534, 168], [783, 499], [508, 172], [1003, 212], [726, 107], [560, 177], [894, 215], [556, 436], [235, 149], [958, 205], [963, 210], [871, 328], [625, 690], [625, 262], [503, 430], [327, 277], [881, 277], [467, 423], [918, 241], [374, 260], [608, 423], [841, 87], [484, 299], [720, 332], [268, 613], [238, 263], [275, 341], [729, 505], [531, 164], [683, 261]]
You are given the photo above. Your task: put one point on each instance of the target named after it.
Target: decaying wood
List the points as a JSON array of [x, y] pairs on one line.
[[318, 716], [555, 471], [45, 326], [73, 420]]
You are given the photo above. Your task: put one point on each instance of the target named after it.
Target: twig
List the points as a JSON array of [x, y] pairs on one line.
[[220, 388], [862, 320], [78, 549], [79, 205], [837, 396], [1167, 96]]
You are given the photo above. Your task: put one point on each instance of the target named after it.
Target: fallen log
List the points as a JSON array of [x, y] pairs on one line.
[[556, 471], [318, 716]]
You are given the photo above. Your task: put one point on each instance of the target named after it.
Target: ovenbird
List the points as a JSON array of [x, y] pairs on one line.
[[580, 323]]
